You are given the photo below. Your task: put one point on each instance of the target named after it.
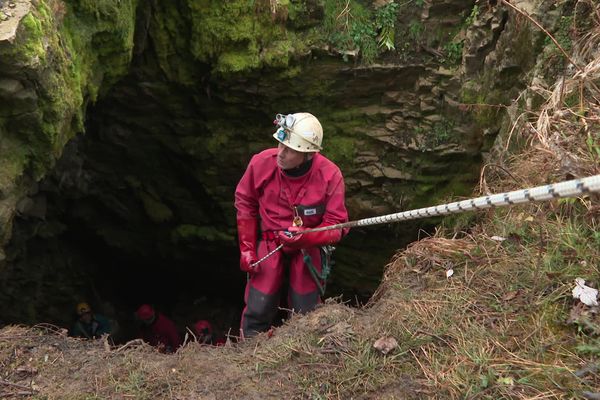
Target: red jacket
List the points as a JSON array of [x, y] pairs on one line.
[[267, 193], [162, 332]]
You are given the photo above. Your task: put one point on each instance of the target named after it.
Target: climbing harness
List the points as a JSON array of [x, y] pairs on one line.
[[320, 278], [569, 188]]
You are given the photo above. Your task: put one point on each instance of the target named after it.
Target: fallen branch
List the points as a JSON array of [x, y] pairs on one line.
[[132, 343], [7, 383]]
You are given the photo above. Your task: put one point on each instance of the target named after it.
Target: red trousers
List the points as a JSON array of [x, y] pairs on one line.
[[263, 290]]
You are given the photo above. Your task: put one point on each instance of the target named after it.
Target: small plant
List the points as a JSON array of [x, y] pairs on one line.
[[441, 133], [353, 28], [453, 52], [363, 35], [593, 145], [385, 22], [415, 30], [472, 16]]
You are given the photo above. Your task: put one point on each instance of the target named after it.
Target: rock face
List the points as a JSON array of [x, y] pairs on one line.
[[176, 96], [50, 68]]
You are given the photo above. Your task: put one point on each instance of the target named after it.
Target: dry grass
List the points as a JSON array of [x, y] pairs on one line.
[[498, 327], [505, 325]]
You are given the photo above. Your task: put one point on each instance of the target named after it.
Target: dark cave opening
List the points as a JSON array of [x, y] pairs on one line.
[[139, 209], [115, 282], [125, 220], [206, 286], [77, 265]]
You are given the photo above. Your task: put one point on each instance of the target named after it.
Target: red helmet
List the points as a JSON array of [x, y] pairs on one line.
[[145, 312], [203, 327]]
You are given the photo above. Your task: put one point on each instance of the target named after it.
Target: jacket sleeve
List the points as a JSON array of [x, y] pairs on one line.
[[76, 331], [246, 195], [335, 209], [105, 326]]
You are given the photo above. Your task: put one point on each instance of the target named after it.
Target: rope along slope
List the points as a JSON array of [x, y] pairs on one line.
[[570, 188]]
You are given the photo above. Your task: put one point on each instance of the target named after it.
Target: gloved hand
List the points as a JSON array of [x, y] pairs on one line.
[[312, 239], [247, 258], [248, 237]]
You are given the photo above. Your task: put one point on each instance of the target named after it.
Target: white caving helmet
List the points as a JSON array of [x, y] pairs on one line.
[[301, 132]]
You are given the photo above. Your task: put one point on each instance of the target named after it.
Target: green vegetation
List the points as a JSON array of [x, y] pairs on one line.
[[472, 16], [351, 27], [415, 30], [442, 132], [233, 34], [453, 52], [33, 47], [155, 209], [74, 54], [341, 150], [385, 21], [451, 41], [482, 102], [188, 232], [562, 35]]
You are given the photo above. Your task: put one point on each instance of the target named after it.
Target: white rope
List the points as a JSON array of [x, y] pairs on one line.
[[267, 256], [570, 188]]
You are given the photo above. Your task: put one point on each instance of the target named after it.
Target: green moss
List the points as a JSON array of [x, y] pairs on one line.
[[241, 36], [13, 162], [33, 46], [233, 34], [340, 150], [237, 61], [279, 54], [482, 102], [73, 58], [441, 133], [219, 139], [87, 51], [156, 210], [562, 34], [187, 232], [99, 38]]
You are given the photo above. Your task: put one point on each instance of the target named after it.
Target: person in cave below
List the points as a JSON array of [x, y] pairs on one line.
[[157, 329], [89, 325], [203, 331], [287, 189]]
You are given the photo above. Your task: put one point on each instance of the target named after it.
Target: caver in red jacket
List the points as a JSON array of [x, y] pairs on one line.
[[269, 195], [158, 330]]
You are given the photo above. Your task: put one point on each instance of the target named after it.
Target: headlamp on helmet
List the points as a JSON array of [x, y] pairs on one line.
[[301, 132], [281, 134], [83, 308], [285, 121]]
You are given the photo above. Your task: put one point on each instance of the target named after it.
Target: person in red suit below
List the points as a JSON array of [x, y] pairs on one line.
[[204, 334], [157, 329], [286, 189]]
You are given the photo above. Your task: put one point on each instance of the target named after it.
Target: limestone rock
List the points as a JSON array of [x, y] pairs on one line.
[[8, 27]]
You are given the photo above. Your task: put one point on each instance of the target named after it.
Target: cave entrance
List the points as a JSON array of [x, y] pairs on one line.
[[204, 285], [81, 252], [139, 209]]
